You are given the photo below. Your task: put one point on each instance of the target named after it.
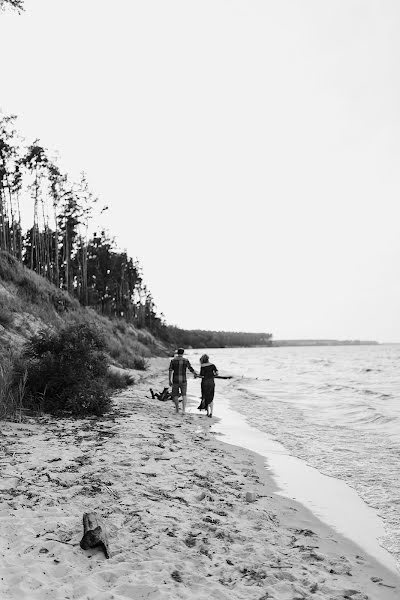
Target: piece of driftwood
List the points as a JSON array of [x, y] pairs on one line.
[[94, 533], [164, 395]]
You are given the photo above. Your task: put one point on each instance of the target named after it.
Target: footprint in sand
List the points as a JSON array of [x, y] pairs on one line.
[[111, 577]]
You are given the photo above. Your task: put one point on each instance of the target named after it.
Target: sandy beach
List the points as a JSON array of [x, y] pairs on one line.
[[173, 499]]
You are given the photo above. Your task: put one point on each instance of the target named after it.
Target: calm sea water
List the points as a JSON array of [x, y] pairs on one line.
[[338, 408]]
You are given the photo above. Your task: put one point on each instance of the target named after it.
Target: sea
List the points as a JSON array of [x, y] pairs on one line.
[[334, 409]]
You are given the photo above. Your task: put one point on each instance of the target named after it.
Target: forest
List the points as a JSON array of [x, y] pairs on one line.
[[57, 244]]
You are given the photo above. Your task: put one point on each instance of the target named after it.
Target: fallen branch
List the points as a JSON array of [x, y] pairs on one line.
[[59, 541], [110, 491]]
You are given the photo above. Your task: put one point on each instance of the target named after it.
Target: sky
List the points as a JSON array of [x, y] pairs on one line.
[[248, 151]]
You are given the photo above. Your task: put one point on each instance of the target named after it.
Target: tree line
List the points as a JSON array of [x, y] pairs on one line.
[[57, 244], [197, 338]]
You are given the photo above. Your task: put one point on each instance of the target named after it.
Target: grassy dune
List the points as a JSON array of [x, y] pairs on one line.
[[29, 303]]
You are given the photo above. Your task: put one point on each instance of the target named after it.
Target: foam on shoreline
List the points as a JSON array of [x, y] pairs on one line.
[[330, 499]]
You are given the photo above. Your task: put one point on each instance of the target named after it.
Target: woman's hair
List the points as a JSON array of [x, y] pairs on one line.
[[204, 358]]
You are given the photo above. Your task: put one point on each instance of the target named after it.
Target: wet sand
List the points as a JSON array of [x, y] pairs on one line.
[[330, 499]]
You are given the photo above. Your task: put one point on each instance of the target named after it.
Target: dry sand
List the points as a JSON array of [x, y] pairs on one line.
[[173, 498]]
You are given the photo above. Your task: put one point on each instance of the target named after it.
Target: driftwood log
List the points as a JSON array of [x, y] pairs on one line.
[[164, 395], [94, 533]]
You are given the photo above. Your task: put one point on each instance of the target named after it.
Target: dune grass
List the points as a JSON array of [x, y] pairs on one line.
[[30, 305]]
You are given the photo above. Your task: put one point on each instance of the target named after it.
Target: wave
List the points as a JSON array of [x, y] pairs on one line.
[[339, 414], [354, 388]]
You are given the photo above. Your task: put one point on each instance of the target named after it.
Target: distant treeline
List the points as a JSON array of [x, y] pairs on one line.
[[197, 338]]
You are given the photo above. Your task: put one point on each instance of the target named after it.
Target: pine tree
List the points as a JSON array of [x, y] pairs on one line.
[[17, 5]]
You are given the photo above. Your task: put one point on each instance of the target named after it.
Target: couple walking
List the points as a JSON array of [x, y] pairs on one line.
[[177, 379]]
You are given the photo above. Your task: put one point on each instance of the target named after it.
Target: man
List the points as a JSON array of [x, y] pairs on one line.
[[177, 378]]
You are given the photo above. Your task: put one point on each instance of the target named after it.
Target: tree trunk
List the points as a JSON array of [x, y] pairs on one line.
[[3, 238], [94, 533]]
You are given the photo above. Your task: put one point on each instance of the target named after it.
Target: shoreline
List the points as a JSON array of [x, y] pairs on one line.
[[331, 500], [173, 498]]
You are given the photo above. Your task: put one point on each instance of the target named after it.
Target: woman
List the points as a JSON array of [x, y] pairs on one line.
[[207, 373]]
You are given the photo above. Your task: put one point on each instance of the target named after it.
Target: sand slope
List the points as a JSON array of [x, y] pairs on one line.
[[173, 500]]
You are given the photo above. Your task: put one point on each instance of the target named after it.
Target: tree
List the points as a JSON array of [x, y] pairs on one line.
[[56, 189], [68, 221], [10, 186], [56, 244], [87, 203], [17, 5], [36, 162]]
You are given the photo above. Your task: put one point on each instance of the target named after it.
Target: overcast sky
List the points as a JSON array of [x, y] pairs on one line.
[[249, 151]]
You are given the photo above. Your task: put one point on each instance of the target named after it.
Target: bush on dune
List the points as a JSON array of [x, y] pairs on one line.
[[118, 380], [139, 363], [67, 371], [6, 317], [125, 350], [32, 288], [12, 385]]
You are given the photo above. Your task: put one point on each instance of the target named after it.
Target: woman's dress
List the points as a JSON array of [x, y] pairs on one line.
[[207, 373]]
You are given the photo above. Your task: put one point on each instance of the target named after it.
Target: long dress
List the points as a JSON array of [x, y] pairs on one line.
[[207, 372]]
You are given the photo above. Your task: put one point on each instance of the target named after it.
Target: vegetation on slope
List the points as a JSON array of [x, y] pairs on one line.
[[57, 244], [32, 309], [66, 371], [58, 283], [29, 303]]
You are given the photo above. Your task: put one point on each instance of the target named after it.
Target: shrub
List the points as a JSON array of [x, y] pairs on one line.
[[125, 350], [118, 380], [143, 338], [121, 326], [12, 386], [29, 290], [67, 371], [6, 317], [33, 288], [7, 266], [6, 379], [140, 364]]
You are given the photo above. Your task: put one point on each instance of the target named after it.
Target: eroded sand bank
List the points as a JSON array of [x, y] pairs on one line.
[[173, 499]]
